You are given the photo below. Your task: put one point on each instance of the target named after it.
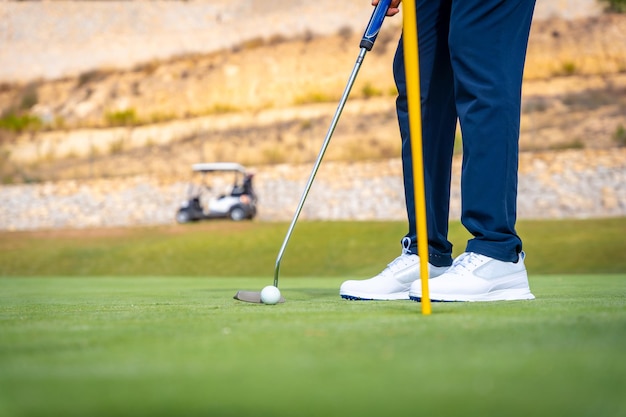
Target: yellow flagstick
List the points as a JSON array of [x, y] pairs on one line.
[[411, 67]]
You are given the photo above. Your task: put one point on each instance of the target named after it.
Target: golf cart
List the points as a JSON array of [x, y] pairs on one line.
[[219, 200]]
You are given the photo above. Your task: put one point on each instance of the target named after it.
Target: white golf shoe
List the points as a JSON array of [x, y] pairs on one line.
[[475, 277], [393, 283]]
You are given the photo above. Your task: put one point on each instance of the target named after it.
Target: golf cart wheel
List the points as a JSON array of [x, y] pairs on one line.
[[182, 217], [237, 214]]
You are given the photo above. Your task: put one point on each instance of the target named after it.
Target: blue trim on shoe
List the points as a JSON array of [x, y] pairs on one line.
[[353, 298], [419, 300]]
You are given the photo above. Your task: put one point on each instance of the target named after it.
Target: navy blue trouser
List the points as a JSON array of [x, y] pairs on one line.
[[472, 55]]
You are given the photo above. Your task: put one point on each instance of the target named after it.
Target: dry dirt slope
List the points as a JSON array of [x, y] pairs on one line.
[[53, 39], [269, 100]]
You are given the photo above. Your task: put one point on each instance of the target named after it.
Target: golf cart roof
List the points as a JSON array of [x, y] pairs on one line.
[[218, 166]]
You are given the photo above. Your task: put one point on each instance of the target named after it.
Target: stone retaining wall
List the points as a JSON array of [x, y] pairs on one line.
[[568, 184]]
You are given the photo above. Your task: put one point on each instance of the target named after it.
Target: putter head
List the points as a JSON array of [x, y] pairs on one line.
[[252, 297]]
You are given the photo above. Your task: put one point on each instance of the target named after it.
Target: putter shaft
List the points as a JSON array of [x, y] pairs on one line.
[[318, 161]]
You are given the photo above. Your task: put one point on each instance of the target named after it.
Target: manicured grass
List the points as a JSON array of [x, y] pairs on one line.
[[317, 249], [141, 322], [181, 346]]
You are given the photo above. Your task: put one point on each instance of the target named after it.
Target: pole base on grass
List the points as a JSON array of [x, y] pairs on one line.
[[252, 297]]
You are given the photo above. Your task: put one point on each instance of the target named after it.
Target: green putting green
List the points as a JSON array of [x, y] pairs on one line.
[[141, 322], [155, 346]]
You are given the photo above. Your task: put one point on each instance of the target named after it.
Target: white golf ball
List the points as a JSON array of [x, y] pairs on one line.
[[270, 295]]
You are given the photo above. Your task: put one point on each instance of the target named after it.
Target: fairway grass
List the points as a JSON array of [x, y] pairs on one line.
[[181, 346], [320, 249]]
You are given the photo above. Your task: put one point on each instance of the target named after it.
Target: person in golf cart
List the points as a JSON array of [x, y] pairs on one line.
[[471, 61], [245, 187], [237, 203]]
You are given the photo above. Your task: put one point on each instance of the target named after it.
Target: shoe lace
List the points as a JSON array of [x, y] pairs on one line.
[[406, 245], [402, 260], [466, 261]]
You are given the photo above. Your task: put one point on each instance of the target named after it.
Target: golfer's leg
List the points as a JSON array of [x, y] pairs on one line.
[[438, 126], [488, 40]]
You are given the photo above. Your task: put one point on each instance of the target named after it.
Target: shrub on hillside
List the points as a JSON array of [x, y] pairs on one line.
[[126, 117], [615, 6], [19, 122]]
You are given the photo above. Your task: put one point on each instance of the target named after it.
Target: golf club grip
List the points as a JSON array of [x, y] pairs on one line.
[[373, 27]]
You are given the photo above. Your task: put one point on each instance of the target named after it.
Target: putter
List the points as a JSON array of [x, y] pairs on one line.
[[367, 42]]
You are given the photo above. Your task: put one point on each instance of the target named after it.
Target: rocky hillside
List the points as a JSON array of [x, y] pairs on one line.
[[53, 39], [269, 100]]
